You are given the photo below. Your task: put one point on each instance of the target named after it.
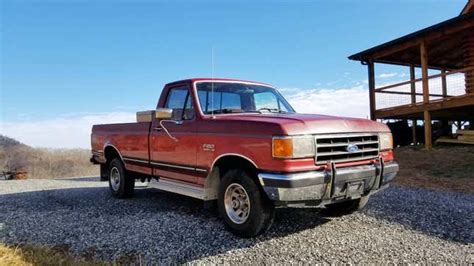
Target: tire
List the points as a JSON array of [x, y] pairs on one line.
[[121, 184], [346, 207], [104, 172], [238, 192]]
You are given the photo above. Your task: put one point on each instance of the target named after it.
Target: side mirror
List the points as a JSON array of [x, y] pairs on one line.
[[164, 113], [144, 116]]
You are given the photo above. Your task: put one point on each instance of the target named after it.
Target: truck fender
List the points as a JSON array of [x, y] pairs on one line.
[[109, 148], [213, 180], [233, 154]]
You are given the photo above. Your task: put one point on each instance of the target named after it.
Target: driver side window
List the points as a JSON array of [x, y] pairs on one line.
[[179, 99]]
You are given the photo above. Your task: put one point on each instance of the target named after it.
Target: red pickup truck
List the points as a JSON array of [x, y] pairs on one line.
[[242, 144]]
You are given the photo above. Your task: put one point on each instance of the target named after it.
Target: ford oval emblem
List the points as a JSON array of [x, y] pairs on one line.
[[352, 148]]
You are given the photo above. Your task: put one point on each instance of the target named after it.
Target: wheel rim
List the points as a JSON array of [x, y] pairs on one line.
[[115, 178], [237, 203]]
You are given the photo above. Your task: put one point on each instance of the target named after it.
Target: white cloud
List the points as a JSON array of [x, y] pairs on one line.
[[71, 131], [387, 75], [402, 75], [352, 102]]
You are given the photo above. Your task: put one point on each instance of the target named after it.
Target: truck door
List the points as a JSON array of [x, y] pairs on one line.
[[175, 158]]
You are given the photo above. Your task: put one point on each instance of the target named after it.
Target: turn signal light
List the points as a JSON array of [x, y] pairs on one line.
[[386, 141], [291, 147], [282, 148]]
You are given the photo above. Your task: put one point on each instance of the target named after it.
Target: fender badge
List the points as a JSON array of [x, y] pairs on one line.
[[208, 147]]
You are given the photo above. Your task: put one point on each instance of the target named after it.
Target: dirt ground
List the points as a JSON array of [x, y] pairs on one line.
[[447, 168]]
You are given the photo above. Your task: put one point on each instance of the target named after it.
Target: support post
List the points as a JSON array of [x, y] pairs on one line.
[[468, 49], [412, 84], [444, 87], [426, 95], [413, 101], [371, 69]]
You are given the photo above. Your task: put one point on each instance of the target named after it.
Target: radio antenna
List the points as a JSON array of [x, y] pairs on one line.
[[212, 82]]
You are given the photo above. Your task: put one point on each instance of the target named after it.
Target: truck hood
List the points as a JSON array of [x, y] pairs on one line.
[[296, 124]]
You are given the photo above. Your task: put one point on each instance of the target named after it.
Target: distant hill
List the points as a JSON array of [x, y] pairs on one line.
[[9, 142], [44, 163]]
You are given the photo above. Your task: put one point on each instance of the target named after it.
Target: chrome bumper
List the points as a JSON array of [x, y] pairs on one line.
[[328, 185]]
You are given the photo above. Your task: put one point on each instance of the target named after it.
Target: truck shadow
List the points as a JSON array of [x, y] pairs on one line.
[[174, 229]]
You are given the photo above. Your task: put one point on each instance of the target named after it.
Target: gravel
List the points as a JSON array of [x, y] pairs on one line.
[[399, 225]]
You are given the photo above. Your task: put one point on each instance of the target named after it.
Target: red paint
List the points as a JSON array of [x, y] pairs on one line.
[[248, 135]]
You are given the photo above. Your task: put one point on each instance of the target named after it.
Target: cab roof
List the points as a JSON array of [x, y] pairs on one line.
[[193, 80]]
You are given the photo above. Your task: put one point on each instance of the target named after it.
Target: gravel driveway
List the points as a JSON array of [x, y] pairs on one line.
[[399, 225]]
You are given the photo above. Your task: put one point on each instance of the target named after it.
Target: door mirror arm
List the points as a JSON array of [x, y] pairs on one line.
[[176, 122]]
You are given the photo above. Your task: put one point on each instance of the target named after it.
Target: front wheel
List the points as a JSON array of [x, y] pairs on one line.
[[246, 211], [346, 207], [121, 185]]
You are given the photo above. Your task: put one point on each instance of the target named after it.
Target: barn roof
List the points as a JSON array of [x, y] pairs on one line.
[[443, 40], [468, 8]]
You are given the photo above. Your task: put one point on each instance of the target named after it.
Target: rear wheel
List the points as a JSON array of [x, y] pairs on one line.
[[121, 185], [246, 211], [346, 207]]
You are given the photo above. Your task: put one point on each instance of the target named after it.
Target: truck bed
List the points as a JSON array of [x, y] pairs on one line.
[[131, 139]]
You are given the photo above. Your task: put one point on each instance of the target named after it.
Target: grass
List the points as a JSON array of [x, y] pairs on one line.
[[44, 163], [36, 255], [25, 255], [447, 168]]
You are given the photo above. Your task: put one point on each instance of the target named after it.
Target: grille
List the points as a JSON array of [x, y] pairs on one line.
[[334, 148]]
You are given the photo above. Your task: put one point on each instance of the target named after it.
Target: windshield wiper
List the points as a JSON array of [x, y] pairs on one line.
[[270, 110], [225, 111]]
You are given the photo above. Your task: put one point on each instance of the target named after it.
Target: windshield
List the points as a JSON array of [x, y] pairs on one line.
[[222, 97]]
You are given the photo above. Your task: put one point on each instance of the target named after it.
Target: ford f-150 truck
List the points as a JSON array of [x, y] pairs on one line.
[[242, 144]]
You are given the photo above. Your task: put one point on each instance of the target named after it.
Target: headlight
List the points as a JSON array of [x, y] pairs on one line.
[[386, 141], [293, 147]]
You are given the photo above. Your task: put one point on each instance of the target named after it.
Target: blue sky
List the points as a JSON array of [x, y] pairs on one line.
[[90, 57]]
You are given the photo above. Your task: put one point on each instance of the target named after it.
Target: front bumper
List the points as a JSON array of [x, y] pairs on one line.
[[329, 185]]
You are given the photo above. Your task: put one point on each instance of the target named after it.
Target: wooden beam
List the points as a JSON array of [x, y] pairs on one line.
[[413, 131], [435, 105], [457, 141], [412, 84], [409, 93], [468, 53], [444, 84], [424, 72], [371, 69], [428, 140], [471, 68], [447, 66], [426, 94], [465, 132], [413, 100], [468, 8], [445, 32], [459, 113]]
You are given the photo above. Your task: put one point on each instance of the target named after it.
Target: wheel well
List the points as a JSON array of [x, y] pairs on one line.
[[220, 167], [111, 153], [226, 163]]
